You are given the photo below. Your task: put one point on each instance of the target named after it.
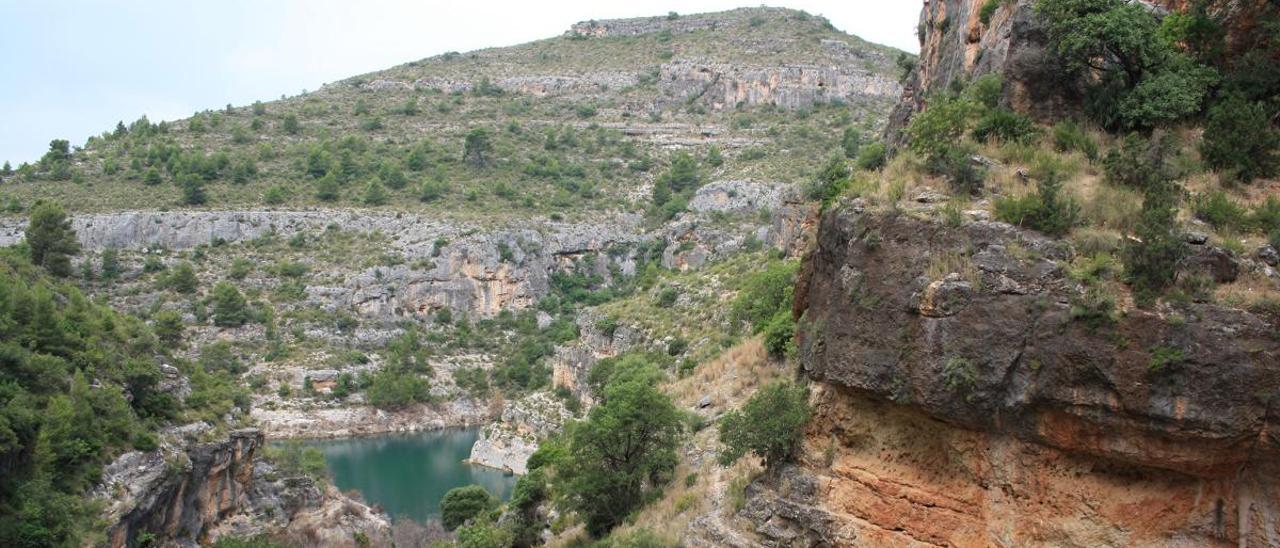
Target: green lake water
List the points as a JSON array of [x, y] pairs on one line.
[[408, 473]]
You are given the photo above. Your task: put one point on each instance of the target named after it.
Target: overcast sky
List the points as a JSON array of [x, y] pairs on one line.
[[72, 68]]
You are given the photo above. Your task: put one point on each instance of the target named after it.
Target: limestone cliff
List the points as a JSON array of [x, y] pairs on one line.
[[968, 402], [192, 492]]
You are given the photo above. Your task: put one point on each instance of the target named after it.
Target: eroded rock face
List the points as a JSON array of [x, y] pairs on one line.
[[180, 495], [194, 494], [876, 473], [721, 86], [1001, 348], [978, 406], [508, 444]]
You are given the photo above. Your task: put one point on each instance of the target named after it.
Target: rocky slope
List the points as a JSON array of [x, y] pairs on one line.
[[966, 398]]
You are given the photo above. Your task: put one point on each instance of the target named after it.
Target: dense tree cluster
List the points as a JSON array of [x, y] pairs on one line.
[[66, 365]]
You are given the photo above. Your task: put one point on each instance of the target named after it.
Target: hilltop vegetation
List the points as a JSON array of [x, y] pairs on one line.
[[479, 133]]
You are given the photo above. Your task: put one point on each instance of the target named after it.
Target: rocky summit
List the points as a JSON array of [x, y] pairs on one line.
[[721, 279]]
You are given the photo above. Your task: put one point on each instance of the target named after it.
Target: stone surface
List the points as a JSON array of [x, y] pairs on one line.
[[508, 444], [875, 473], [1006, 354]]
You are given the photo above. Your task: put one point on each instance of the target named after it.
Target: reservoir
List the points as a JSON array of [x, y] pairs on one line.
[[407, 474]]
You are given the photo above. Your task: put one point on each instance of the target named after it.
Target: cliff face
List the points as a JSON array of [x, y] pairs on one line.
[[182, 495], [964, 400], [204, 490]]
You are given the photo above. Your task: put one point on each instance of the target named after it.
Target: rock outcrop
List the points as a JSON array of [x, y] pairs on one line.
[[974, 398], [508, 443], [195, 491], [722, 86]]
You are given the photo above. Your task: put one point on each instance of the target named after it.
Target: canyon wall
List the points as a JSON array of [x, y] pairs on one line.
[[967, 395]]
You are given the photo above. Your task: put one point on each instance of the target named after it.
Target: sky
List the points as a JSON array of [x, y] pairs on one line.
[[73, 68]]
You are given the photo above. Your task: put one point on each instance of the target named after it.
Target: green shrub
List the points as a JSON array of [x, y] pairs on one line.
[[1220, 211], [1151, 260], [1240, 141], [940, 127], [1045, 210], [293, 458], [872, 156], [779, 333], [50, 239], [464, 503], [1139, 162], [275, 195], [1070, 136], [622, 454], [1006, 126], [181, 279], [766, 293], [769, 425], [960, 375], [229, 306], [955, 163], [985, 91]]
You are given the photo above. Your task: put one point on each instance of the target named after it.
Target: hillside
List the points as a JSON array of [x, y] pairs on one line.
[[728, 279], [578, 123]]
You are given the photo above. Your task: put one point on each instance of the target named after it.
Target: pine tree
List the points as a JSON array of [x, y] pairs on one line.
[[51, 238], [192, 189], [374, 195], [7, 170], [291, 124], [152, 177], [229, 306], [327, 189], [1151, 260], [476, 148]]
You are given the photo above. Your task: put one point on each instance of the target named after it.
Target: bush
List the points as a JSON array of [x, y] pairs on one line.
[[464, 503], [291, 124], [769, 425], [295, 459], [395, 390], [1151, 260], [831, 180], [275, 195], [192, 189], [1070, 136], [779, 334], [1240, 140], [476, 148], [956, 164], [229, 306], [1006, 126], [938, 128], [1136, 80], [985, 91], [50, 238], [872, 156], [1138, 162], [1219, 210], [1045, 210], [327, 188], [181, 279], [765, 293]]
